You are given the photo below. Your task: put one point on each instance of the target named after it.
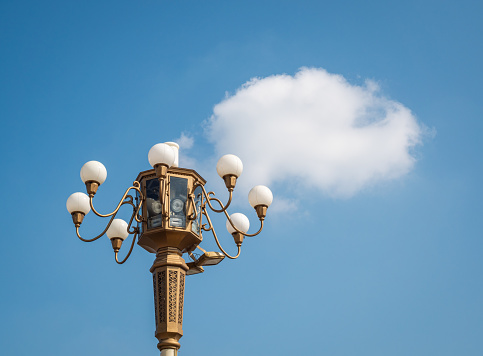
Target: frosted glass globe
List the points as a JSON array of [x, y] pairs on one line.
[[118, 229], [93, 171], [78, 202], [240, 221], [260, 195], [161, 153], [229, 165]]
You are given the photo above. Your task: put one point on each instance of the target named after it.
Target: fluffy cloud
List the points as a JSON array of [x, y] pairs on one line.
[[185, 141], [317, 128]]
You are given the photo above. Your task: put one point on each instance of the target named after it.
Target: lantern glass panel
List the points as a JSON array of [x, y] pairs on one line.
[[153, 205], [177, 206], [195, 226]]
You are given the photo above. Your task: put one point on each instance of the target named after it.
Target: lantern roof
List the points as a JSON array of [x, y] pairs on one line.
[[176, 170]]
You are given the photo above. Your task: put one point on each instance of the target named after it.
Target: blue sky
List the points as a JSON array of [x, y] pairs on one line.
[[392, 268]]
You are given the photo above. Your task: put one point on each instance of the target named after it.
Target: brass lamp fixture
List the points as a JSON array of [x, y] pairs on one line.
[[169, 213]]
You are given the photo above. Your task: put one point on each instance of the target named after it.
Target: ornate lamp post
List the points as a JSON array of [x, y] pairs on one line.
[[169, 214]]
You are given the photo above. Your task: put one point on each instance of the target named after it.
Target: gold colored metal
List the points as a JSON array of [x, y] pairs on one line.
[[238, 238], [91, 188], [210, 259], [194, 269], [230, 181], [154, 240], [169, 274], [116, 244], [126, 199], [77, 218], [130, 250], [216, 237], [169, 242], [164, 197], [261, 211], [241, 232], [166, 235], [98, 236], [194, 214], [161, 171], [211, 197], [201, 249]]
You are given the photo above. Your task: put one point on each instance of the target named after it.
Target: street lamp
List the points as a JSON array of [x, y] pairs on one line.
[[169, 209]]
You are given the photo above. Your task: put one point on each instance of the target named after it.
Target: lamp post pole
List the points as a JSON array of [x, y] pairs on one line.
[[169, 272], [169, 214]]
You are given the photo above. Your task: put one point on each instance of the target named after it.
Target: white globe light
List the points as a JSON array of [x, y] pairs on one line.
[[118, 229], [240, 221], [260, 195], [229, 165], [161, 153], [93, 171], [78, 203]]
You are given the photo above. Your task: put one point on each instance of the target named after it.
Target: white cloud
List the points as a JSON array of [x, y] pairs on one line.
[[185, 141], [317, 128]]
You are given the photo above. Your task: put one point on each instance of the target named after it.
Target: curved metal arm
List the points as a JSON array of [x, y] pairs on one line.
[[126, 199], [97, 237], [216, 237], [209, 198], [130, 250], [134, 216], [194, 214], [244, 233]]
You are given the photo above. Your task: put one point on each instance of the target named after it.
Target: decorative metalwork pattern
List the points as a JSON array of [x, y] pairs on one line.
[[156, 317], [181, 298], [173, 284], [161, 296]]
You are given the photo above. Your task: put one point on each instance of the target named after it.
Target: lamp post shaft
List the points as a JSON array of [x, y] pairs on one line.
[[169, 272]]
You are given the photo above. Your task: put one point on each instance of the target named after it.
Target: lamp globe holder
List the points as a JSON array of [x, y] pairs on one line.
[[93, 174], [161, 156], [78, 206], [241, 223], [260, 198], [229, 168]]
